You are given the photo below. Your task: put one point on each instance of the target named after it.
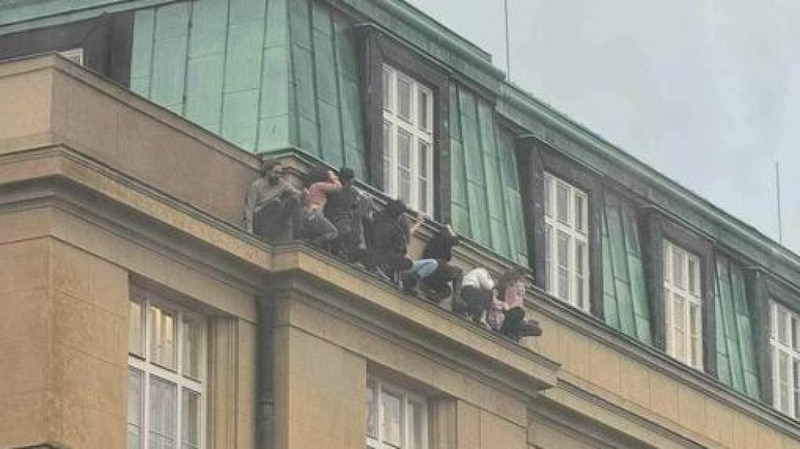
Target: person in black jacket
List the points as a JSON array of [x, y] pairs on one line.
[[349, 209], [388, 246], [446, 280]]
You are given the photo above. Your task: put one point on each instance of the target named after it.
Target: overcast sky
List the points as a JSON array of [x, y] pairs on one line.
[[705, 91]]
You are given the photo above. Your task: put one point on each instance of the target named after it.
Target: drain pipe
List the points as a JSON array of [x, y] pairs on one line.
[[265, 413]]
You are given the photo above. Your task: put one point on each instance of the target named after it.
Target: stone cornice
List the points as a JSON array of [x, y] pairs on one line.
[[124, 205], [380, 308]]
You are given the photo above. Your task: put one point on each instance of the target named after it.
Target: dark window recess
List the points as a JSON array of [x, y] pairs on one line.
[[106, 41], [376, 48], [762, 289], [655, 227], [535, 158]]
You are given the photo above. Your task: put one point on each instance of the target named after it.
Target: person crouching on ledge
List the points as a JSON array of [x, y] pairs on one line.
[[512, 286], [317, 229]]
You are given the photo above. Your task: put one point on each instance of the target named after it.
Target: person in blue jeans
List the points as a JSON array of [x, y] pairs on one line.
[[420, 269]]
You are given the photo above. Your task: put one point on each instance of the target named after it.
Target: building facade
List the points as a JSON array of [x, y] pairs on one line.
[[139, 314]]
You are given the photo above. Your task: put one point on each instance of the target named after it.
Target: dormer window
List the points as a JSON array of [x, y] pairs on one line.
[[408, 143]]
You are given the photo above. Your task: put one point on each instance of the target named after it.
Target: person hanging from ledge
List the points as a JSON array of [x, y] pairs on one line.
[[273, 209], [317, 228], [349, 209], [511, 287], [388, 247], [446, 280]]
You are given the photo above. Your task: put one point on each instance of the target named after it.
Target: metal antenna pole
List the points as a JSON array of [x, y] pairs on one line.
[[778, 189], [508, 45]]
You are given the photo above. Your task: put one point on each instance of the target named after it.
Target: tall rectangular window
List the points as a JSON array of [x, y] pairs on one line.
[[166, 375], [566, 229], [683, 305], [395, 417], [408, 140], [785, 354]]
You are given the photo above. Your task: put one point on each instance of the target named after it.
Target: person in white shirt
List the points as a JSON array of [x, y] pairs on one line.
[[478, 293]]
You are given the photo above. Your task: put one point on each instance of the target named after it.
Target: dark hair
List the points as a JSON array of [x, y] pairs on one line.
[[511, 275], [395, 207], [346, 174], [317, 174]]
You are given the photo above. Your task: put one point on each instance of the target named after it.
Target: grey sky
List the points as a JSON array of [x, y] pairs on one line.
[[705, 91]]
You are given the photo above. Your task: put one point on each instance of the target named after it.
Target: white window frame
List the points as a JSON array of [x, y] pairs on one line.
[[74, 54], [149, 369], [784, 340], [683, 293], [575, 228], [379, 388], [419, 128]]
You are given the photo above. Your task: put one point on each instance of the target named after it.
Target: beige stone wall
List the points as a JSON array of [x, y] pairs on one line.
[[48, 101], [319, 393], [63, 347], [321, 367], [26, 308], [599, 370]]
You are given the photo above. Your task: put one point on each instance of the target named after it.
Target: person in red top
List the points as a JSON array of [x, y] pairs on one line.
[[316, 226]]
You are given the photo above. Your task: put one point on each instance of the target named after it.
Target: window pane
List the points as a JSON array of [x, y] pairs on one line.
[[562, 203], [580, 272], [783, 382], [372, 412], [192, 348], [424, 176], [795, 333], [548, 245], [163, 411], [796, 385], [136, 329], [580, 257], [423, 159], [680, 326], [162, 338], [387, 89], [391, 419], [423, 196], [693, 272], [695, 332], [563, 265], [678, 258], [782, 329], [417, 425], [424, 112], [403, 98], [404, 165], [388, 148], [548, 201], [667, 269], [580, 217], [190, 422], [135, 397], [670, 311]]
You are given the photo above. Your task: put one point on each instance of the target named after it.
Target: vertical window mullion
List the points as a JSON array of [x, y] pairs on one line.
[[379, 406], [146, 375], [179, 385]]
